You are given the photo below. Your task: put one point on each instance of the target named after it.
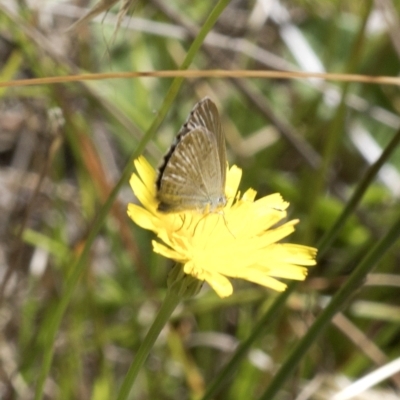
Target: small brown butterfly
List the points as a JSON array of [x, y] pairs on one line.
[[193, 173]]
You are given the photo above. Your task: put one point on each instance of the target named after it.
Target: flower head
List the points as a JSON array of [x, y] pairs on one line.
[[238, 242]]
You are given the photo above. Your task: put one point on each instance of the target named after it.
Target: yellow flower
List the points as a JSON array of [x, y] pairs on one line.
[[238, 242]]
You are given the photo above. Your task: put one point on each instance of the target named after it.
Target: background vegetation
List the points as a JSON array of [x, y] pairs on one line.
[[63, 148]]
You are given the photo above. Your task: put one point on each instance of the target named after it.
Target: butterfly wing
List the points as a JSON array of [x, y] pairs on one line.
[[205, 114], [192, 177]]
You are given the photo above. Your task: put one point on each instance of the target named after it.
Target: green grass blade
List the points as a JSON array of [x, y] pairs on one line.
[[79, 265], [338, 301]]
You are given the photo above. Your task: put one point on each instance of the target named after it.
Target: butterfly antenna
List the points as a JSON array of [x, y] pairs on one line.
[[226, 224], [183, 218]]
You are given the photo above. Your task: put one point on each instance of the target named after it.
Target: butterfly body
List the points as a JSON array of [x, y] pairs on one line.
[[193, 174]]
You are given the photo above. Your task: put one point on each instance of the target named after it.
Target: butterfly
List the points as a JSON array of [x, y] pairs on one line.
[[193, 173]]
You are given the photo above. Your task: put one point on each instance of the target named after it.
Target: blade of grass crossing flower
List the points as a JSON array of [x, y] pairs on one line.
[[79, 264], [336, 304]]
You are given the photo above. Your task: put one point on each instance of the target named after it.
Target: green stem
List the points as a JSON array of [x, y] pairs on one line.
[[180, 286], [80, 263], [336, 304], [170, 302]]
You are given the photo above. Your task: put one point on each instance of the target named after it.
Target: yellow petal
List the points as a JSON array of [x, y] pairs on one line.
[[233, 177], [267, 281], [142, 192], [274, 235], [142, 217], [292, 253], [274, 201], [249, 195], [287, 271], [167, 252], [220, 284], [145, 171]]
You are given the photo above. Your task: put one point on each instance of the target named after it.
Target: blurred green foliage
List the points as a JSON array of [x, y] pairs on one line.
[[64, 146]]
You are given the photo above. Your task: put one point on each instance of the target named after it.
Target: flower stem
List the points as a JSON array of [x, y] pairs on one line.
[[171, 300]]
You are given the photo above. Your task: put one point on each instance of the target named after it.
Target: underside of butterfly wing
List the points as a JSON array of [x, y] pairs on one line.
[[191, 177], [205, 114]]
